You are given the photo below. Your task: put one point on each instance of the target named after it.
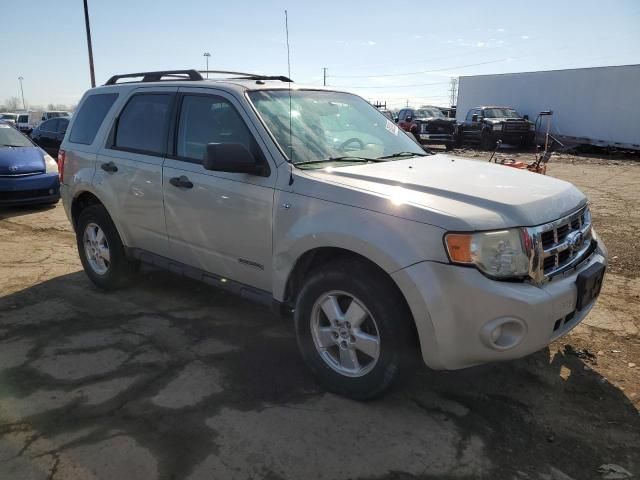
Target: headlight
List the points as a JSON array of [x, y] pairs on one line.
[[50, 164], [497, 126], [500, 254]]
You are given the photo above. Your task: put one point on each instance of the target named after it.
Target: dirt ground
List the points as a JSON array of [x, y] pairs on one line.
[[174, 380]]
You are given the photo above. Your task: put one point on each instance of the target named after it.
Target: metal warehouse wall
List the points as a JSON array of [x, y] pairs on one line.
[[599, 104]]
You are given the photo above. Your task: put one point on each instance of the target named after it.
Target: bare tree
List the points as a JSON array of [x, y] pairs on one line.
[[12, 103], [51, 106]]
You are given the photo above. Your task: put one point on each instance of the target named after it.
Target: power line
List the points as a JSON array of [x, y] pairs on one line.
[[422, 72], [393, 86]]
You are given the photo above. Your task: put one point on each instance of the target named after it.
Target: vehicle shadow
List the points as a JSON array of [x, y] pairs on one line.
[[190, 372], [19, 211]]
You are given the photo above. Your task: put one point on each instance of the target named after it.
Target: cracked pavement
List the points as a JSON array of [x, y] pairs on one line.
[[172, 379]]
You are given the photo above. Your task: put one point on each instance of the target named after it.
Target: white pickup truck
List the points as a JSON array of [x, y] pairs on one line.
[[311, 200]]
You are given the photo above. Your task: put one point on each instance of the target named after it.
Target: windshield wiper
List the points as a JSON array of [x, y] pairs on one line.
[[346, 158], [403, 154]]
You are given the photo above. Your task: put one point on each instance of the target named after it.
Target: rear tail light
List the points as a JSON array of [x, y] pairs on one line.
[[61, 158]]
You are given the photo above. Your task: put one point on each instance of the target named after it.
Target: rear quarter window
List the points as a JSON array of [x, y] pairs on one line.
[[90, 116]]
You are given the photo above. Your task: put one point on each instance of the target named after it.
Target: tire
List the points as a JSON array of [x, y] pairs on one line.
[[118, 270], [459, 139], [485, 141], [448, 146], [386, 316]]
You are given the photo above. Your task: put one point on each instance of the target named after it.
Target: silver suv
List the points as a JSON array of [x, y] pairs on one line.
[[312, 201]]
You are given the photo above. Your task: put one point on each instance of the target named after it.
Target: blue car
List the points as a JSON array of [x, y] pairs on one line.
[[28, 175]]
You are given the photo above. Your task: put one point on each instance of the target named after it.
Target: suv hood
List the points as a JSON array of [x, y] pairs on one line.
[[450, 192], [21, 160]]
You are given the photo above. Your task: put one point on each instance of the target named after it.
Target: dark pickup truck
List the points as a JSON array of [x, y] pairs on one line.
[[428, 125], [487, 125]]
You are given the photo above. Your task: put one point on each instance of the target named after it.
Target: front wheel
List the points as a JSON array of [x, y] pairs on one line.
[[353, 329]]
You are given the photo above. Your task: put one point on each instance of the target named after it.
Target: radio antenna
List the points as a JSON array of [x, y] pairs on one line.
[[286, 28]]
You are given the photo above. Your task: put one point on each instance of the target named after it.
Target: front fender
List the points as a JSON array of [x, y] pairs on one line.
[[308, 223]]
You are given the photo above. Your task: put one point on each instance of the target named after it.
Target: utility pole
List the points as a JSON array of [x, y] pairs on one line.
[[86, 22], [453, 90], [22, 92], [324, 72], [407, 102], [207, 55]]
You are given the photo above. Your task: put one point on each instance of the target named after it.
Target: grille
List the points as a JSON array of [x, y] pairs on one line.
[[516, 127], [563, 243], [24, 194]]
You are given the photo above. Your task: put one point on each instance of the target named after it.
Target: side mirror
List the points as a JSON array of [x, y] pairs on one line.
[[525, 117], [396, 119], [474, 118], [231, 157]]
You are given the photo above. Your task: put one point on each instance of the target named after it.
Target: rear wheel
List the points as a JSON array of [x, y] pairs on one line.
[[353, 329], [101, 250]]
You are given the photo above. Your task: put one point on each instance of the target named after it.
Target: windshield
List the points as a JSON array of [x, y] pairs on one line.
[[8, 116], [429, 112], [10, 137], [328, 125], [500, 113]]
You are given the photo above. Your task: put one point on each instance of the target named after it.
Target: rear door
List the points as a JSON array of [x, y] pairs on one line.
[[222, 222], [47, 135], [129, 167]]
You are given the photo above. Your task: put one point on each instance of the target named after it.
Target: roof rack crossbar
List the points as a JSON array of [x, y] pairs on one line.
[[250, 76], [192, 75]]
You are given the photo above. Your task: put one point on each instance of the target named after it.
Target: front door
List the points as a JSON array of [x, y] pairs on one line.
[[218, 222]]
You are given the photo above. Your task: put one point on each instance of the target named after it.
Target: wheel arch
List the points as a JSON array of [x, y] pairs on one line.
[[316, 257]]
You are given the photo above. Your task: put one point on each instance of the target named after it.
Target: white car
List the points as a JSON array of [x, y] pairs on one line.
[[312, 201]]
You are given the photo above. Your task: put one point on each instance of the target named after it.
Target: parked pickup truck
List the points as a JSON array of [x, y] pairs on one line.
[[315, 203], [429, 125], [487, 125]]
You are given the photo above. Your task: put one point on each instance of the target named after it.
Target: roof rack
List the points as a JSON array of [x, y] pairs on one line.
[[250, 76], [192, 75]]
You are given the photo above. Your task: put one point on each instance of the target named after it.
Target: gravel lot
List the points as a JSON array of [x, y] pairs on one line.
[[172, 379]]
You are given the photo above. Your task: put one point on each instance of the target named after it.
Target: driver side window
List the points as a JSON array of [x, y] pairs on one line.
[[210, 119]]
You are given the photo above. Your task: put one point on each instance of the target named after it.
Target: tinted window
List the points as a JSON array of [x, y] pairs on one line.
[[209, 119], [90, 117], [401, 115], [142, 123], [23, 119], [63, 123], [49, 125]]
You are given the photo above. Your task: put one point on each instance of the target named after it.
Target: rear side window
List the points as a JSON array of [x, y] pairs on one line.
[[143, 124], [49, 126], [63, 123], [90, 117]]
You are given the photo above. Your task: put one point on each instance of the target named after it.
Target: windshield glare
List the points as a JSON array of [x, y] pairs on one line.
[[328, 125], [10, 136], [500, 113], [429, 112]]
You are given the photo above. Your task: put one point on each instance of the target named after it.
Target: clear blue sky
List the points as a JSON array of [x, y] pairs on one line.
[[44, 41]]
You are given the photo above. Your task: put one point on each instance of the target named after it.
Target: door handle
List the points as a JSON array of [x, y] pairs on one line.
[[181, 182], [109, 167]]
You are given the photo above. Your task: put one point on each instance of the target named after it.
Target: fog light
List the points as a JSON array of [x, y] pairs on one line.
[[503, 333]]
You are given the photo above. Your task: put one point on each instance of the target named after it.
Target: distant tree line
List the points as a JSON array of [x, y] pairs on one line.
[[12, 104]]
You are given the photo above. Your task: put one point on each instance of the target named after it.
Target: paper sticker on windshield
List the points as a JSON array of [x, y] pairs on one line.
[[392, 127]]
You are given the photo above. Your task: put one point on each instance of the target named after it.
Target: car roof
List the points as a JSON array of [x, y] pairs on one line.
[[495, 106], [237, 85]]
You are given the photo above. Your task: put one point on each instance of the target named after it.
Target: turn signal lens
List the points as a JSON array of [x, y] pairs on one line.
[[459, 247]]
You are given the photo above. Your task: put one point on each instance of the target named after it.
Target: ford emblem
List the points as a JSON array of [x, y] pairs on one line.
[[575, 240]]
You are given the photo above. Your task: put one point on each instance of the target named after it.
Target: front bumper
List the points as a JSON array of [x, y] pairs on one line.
[[456, 307], [428, 138], [29, 190]]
